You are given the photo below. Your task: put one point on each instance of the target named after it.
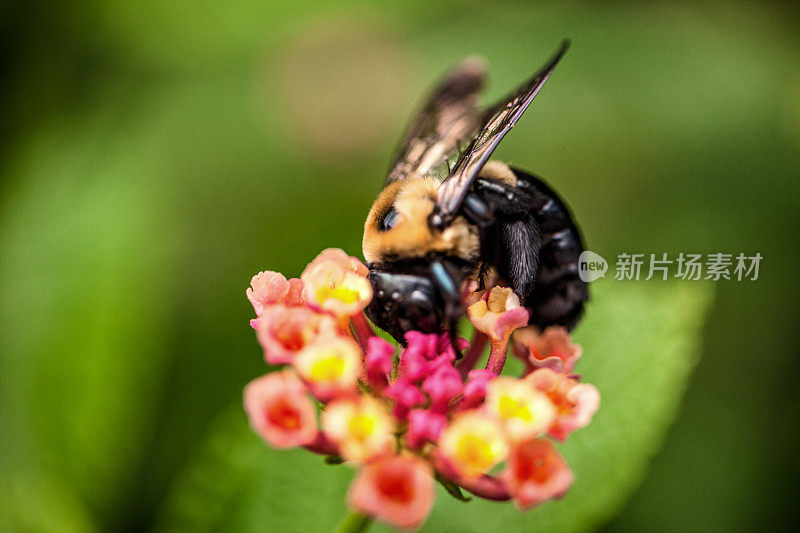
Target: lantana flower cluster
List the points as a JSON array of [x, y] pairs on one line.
[[425, 414]]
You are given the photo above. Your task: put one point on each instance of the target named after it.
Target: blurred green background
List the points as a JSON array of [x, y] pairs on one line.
[[155, 155]]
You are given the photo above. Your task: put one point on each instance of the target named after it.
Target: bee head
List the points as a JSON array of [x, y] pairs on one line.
[[404, 302], [397, 225]]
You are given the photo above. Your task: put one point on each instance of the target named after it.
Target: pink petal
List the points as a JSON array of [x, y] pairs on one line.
[[551, 349], [508, 321], [398, 490], [442, 386], [266, 288], [295, 294], [406, 395], [424, 426], [475, 389], [426, 344], [586, 401], [280, 411], [378, 361], [575, 402], [413, 364], [536, 473]]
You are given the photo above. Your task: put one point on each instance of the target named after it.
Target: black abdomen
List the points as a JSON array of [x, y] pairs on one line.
[[535, 245], [559, 294]]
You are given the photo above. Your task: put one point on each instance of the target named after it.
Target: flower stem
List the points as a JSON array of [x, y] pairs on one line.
[[322, 445], [497, 356], [354, 523], [484, 486], [362, 330]]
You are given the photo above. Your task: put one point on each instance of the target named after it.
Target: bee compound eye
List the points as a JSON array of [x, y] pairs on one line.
[[389, 220], [436, 221]]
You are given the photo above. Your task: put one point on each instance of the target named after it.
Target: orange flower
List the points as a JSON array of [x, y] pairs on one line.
[[280, 411], [575, 402], [498, 313], [337, 283], [361, 427], [398, 490], [270, 287], [551, 349], [536, 473], [284, 331]]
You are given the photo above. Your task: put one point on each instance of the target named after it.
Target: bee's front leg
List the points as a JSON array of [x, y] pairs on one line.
[[450, 292]]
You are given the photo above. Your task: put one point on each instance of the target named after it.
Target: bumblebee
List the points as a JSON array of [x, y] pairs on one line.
[[436, 225]]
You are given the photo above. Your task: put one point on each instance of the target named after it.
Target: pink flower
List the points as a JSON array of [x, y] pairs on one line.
[[270, 287], [337, 283], [443, 386], [424, 426], [475, 388], [413, 363], [284, 331], [280, 411], [401, 418], [536, 473], [378, 361], [398, 490], [575, 402], [338, 256], [426, 343], [426, 353], [405, 395], [551, 349], [498, 313], [445, 348]]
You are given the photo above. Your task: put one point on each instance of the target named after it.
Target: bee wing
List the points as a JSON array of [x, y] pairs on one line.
[[449, 117], [499, 119]]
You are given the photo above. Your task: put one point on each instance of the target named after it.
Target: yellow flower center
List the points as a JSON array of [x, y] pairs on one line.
[[339, 292], [512, 408], [478, 309], [361, 427], [327, 368], [475, 452]]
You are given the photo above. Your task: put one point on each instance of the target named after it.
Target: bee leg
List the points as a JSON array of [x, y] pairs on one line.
[[477, 211], [452, 306], [511, 240], [482, 273]]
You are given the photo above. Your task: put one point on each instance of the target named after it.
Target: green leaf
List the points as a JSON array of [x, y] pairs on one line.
[[238, 483], [84, 311], [640, 345], [32, 501]]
